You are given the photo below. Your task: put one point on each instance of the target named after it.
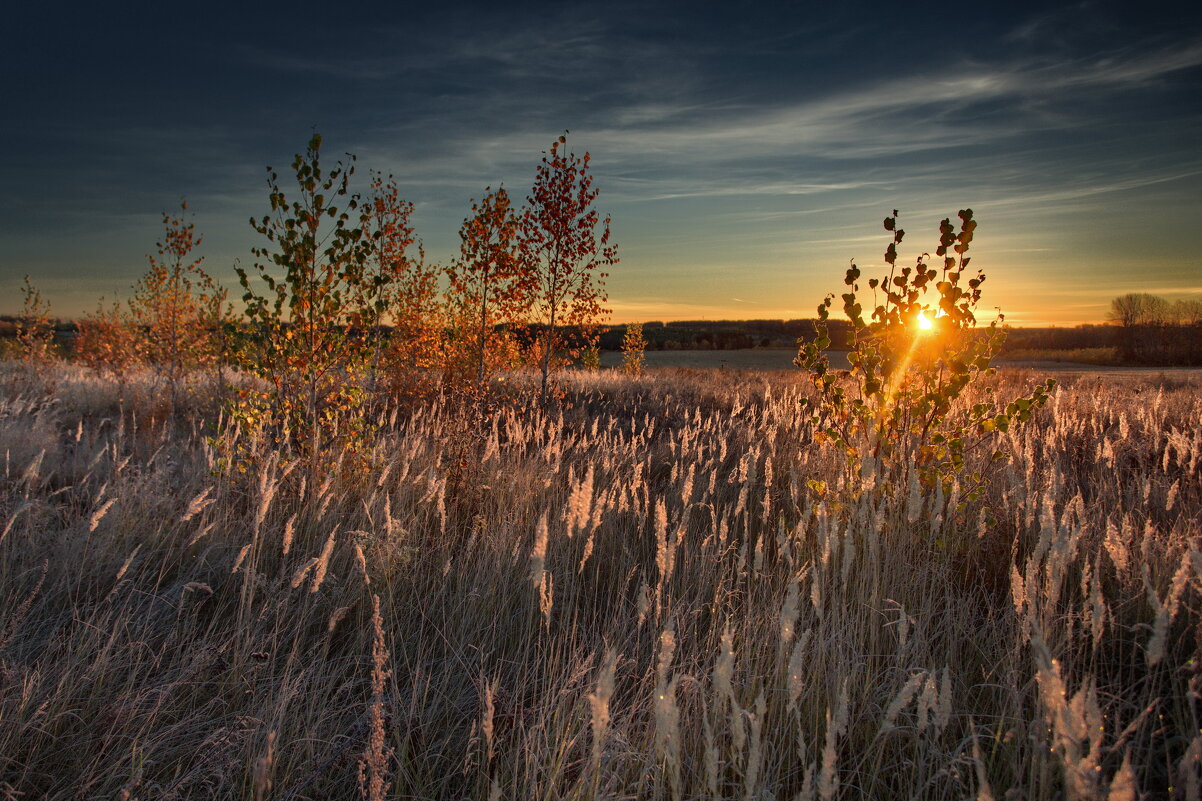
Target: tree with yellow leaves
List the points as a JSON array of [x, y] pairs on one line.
[[35, 329], [177, 306], [302, 305], [634, 349]]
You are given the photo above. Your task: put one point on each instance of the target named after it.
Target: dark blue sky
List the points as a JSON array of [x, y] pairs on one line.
[[745, 151]]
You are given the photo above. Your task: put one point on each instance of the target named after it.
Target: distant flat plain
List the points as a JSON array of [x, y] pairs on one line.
[[782, 359]]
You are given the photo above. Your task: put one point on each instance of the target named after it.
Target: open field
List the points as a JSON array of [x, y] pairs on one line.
[[662, 588]]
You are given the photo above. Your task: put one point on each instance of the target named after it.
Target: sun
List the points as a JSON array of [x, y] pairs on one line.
[[923, 323]]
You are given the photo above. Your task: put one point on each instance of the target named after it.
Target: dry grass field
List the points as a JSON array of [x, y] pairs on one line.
[[660, 589]]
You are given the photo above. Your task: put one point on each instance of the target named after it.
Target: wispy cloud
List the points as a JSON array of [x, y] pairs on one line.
[[915, 113], [662, 133]]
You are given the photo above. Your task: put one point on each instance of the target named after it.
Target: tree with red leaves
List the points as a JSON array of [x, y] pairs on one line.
[[488, 282], [564, 254], [407, 297]]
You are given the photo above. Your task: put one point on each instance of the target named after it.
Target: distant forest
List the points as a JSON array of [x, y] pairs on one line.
[[740, 334]]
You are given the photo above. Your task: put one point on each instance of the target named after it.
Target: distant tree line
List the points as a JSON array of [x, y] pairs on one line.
[[1152, 330], [727, 334], [658, 335], [1076, 337], [1173, 340]]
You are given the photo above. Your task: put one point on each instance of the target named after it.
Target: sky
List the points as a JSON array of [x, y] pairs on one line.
[[745, 151]]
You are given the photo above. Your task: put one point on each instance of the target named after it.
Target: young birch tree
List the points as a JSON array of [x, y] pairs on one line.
[[35, 329], [109, 344], [488, 282], [170, 306], [564, 253], [634, 349], [407, 296], [391, 237], [914, 354], [217, 319], [302, 340]]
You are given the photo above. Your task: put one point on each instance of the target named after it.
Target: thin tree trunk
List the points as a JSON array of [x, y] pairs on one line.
[[483, 327], [547, 343], [553, 297]]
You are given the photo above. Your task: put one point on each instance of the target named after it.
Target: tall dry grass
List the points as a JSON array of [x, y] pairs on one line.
[[636, 595]]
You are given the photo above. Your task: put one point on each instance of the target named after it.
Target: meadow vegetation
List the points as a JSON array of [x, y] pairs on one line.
[[636, 594]]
